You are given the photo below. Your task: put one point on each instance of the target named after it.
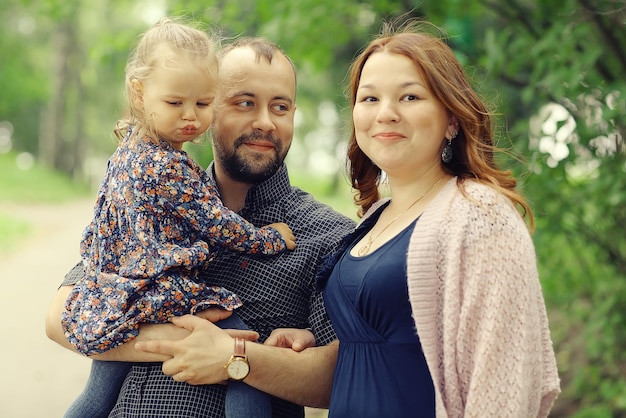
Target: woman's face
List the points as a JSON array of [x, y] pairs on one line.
[[398, 122]]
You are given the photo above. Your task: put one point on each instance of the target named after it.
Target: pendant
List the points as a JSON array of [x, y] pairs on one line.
[[365, 249]]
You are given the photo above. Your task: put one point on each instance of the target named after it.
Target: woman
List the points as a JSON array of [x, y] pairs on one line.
[[435, 297]]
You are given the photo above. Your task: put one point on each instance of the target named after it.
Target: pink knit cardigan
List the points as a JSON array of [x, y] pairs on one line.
[[478, 307]]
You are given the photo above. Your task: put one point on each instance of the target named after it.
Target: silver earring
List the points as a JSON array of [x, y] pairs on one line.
[[453, 135], [446, 154]]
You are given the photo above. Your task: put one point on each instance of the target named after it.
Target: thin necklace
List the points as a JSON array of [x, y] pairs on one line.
[[370, 240]]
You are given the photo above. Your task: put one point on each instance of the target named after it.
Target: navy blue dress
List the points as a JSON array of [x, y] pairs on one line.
[[381, 370]]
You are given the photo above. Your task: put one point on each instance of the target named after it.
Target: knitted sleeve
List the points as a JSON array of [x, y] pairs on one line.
[[478, 308], [500, 344]]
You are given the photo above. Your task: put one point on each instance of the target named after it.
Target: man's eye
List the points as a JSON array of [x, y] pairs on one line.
[[245, 103], [281, 108]]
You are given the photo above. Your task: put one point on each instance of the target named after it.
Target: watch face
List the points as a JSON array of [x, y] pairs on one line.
[[238, 369]]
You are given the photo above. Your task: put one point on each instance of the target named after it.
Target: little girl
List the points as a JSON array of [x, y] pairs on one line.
[[157, 221]]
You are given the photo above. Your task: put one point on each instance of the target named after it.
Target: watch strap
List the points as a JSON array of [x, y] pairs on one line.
[[240, 347]]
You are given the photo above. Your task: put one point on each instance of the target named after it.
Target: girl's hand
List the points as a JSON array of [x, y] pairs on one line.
[[286, 233], [214, 314]]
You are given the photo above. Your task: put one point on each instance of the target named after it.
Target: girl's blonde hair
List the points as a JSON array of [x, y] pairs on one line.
[[186, 42]]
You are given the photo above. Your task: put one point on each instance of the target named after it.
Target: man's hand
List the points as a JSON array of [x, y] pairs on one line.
[[198, 359], [294, 338]]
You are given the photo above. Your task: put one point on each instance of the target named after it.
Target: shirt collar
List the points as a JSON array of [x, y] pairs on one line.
[[263, 194]]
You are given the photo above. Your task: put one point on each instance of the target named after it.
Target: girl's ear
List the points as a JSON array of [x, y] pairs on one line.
[[137, 91]]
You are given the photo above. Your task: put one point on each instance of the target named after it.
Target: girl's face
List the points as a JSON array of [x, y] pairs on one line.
[[177, 100], [398, 122]]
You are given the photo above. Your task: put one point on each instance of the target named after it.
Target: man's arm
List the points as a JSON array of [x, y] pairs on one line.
[[124, 352], [302, 377]]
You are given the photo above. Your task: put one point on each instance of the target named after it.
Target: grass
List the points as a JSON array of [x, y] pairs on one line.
[[36, 184], [11, 231], [25, 186]]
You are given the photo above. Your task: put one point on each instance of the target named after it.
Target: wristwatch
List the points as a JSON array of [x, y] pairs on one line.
[[237, 366]]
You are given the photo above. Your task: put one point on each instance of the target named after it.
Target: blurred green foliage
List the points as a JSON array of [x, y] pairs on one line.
[[25, 181], [553, 70]]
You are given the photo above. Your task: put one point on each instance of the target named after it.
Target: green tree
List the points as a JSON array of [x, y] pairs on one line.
[[553, 69]]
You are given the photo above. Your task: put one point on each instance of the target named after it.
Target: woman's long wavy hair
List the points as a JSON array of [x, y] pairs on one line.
[[473, 148], [186, 42]]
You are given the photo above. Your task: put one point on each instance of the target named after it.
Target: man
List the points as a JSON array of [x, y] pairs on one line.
[[252, 133]]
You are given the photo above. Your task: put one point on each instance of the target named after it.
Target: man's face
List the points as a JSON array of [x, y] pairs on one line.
[[254, 111]]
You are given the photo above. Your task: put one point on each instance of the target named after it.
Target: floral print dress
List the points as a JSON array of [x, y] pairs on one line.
[[157, 221]]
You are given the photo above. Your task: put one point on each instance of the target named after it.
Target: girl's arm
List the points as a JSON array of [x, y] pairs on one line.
[[124, 352], [186, 188]]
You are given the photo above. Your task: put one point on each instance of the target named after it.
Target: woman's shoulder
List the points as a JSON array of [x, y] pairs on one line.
[[485, 208], [481, 192], [475, 195], [375, 207]]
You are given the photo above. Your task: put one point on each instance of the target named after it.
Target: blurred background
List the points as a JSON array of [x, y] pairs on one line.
[[553, 70]]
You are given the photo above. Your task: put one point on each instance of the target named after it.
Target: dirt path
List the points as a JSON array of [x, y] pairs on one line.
[[38, 378]]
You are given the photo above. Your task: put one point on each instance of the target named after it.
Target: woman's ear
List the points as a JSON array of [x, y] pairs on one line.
[[453, 128]]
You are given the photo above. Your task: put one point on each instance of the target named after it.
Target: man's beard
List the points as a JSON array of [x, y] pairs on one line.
[[251, 169]]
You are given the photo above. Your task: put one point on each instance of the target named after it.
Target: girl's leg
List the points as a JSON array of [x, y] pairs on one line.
[[101, 391], [244, 401]]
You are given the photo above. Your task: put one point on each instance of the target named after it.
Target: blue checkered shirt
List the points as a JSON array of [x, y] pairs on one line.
[[277, 292]]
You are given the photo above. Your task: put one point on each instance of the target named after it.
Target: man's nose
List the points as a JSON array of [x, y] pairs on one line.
[[263, 121]]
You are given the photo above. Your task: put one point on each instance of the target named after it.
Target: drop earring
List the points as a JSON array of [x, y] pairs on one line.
[[446, 154]]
